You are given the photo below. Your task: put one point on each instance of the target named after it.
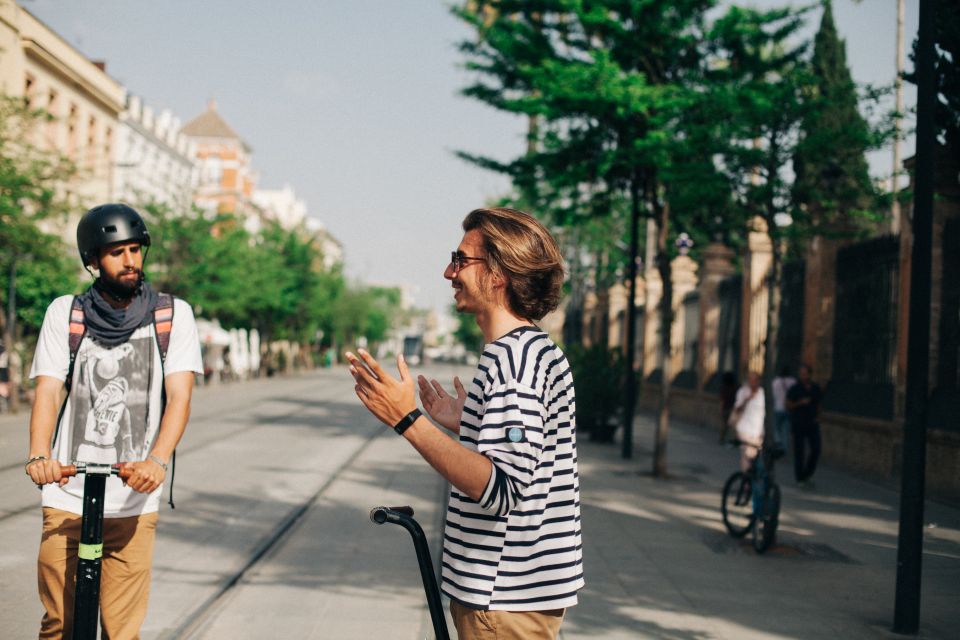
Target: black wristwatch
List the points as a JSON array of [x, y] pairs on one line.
[[406, 421]]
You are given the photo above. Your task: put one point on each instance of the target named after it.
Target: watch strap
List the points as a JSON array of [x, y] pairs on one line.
[[406, 421]]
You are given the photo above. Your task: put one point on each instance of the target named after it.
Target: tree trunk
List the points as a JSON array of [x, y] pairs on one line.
[[666, 325], [9, 340], [775, 283], [630, 375]]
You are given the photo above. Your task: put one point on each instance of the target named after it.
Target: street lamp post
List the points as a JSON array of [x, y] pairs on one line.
[[910, 542]]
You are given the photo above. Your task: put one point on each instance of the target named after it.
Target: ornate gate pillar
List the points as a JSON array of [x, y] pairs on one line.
[[683, 274], [717, 265], [756, 290]]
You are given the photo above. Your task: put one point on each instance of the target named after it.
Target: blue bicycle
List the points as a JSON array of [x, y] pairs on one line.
[[751, 501]]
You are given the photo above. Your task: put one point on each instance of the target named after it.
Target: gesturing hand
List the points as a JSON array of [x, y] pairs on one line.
[[385, 397], [441, 406]]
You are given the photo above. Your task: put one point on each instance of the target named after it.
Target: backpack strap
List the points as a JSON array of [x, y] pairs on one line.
[[162, 327], [78, 329], [163, 323]]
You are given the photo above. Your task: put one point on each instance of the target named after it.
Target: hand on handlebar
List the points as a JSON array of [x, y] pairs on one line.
[[43, 472], [144, 476]]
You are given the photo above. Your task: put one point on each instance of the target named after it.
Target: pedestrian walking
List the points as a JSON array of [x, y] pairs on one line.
[[126, 356], [512, 542], [749, 410], [781, 417], [803, 401], [728, 396]]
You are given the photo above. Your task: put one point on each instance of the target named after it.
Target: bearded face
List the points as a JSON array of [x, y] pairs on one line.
[[121, 270]]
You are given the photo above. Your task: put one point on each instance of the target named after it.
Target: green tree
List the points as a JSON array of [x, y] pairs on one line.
[[33, 264], [273, 281], [782, 112], [832, 179], [608, 84], [467, 331], [759, 88], [368, 312]]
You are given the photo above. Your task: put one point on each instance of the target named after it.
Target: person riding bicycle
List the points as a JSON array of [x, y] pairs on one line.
[[750, 409], [128, 400]]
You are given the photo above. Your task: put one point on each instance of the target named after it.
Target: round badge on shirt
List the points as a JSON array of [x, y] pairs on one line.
[[515, 434]]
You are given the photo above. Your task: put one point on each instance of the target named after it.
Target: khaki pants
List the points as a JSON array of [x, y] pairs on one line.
[[124, 578], [474, 624]]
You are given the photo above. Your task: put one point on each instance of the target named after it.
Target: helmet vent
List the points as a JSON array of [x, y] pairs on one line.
[[110, 228]]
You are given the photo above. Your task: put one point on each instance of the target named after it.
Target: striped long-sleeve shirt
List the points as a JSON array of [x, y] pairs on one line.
[[519, 547]]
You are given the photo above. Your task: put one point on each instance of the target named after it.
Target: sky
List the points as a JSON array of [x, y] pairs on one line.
[[356, 105]]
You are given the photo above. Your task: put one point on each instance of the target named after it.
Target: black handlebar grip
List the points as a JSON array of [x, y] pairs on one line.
[[379, 515]]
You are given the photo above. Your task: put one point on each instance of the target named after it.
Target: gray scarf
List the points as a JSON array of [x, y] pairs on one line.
[[111, 327]]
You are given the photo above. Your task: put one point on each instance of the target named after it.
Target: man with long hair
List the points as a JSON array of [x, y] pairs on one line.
[[512, 551]]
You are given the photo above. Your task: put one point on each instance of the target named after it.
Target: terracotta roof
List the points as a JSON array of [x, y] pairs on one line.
[[209, 124]]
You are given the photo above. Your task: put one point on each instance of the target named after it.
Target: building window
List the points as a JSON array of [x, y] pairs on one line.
[[72, 132], [28, 87], [91, 150], [52, 108]]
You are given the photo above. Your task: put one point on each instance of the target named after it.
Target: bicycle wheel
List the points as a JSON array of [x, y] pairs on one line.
[[737, 505], [765, 530]]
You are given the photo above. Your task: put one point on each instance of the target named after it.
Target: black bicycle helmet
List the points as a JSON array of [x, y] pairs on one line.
[[109, 224]]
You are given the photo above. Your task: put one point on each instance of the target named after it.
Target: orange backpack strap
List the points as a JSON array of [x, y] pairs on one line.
[[78, 329], [163, 323]]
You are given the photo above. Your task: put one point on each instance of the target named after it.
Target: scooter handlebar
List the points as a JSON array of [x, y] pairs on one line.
[[70, 470], [379, 515]]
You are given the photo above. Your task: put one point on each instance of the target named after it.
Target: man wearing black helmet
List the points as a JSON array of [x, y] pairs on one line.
[[127, 357]]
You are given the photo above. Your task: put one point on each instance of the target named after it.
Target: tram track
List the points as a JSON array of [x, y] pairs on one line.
[[193, 447], [193, 625]]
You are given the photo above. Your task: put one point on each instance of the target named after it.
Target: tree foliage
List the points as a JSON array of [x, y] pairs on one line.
[[274, 280], [832, 178], [619, 123], [33, 207], [467, 332]]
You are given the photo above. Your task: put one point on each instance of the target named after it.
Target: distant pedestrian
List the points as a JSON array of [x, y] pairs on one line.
[[803, 401], [750, 410], [728, 395], [512, 559], [781, 417]]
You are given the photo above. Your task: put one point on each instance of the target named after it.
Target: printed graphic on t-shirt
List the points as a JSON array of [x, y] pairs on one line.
[[110, 397]]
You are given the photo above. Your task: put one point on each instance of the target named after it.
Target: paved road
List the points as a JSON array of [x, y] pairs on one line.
[[271, 539]]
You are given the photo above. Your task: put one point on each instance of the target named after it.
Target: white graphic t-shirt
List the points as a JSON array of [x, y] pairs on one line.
[[114, 408]]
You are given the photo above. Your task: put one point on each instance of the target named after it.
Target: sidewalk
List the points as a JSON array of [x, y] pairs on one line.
[[659, 563]]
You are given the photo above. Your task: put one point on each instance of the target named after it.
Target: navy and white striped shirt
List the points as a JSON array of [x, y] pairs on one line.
[[519, 547]]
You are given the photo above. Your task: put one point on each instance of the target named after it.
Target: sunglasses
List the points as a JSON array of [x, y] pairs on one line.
[[459, 260]]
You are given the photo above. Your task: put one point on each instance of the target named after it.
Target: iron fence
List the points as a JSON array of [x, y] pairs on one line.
[[789, 346], [865, 329], [730, 297], [944, 406], [687, 376]]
